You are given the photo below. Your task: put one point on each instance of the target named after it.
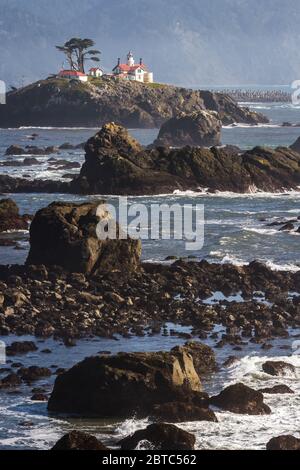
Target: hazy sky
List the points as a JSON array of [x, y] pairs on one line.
[[189, 42]]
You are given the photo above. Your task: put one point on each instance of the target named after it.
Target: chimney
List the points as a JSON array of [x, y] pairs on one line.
[[141, 61], [119, 60]]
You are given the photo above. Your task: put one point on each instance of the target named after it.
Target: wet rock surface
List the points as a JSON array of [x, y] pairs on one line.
[[124, 384], [20, 347], [202, 128], [241, 399], [162, 436], [277, 389], [117, 164], [31, 150], [178, 412], [76, 440], [128, 303], [278, 368], [284, 443]]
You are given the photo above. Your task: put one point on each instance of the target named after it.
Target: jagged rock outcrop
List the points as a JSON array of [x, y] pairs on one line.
[[117, 164], [77, 440], [10, 218], [58, 102], [161, 436], [125, 384], [201, 128], [239, 398], [64, 234]]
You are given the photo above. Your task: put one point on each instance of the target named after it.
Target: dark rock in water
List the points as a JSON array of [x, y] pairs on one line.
[[278, 368], [67, 146], [30, 150], [22, 185], [284, 443], [39, 397], [230, 361], [241, 399], [32, 373], [201, 128], [162, 436], [10, 381], [20, 347], [14, 150], [10, 219], [115, 163], [64, 234], [178, 412], [76, 440], [203, 356], [277, 389], [287, 227], [60, 103], [8, 242], [127, 383]]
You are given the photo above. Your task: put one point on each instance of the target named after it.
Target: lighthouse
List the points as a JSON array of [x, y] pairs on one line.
[[130, 59]]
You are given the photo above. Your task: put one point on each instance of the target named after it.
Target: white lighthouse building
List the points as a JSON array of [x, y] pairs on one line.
[[131, 71]]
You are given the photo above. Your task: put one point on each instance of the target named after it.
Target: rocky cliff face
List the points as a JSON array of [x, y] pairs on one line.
[[117, 164], [59, 102]]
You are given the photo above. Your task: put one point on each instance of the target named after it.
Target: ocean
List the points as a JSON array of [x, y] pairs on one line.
[[236, 231]]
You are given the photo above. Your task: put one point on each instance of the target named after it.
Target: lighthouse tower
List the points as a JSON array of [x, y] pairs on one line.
[[130, 59]]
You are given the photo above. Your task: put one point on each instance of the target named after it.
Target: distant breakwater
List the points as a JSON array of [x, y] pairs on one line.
[[259, 96]]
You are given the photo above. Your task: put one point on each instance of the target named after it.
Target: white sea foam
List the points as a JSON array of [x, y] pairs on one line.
[[262, 231], [250, 126]]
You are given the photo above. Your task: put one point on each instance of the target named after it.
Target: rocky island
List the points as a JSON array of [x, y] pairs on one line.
[[115, 163], [58, 102]]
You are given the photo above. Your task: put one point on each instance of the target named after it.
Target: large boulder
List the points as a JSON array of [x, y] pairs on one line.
[[64, 234], [161, 436], [124, 384], [10, 218], [239, 398], [76, 440], [200, 128], [284, 443], [278, 368]]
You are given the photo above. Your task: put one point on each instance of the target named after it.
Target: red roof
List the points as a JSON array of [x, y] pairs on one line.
[[128, 68], [74, 73], [94, 69]]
